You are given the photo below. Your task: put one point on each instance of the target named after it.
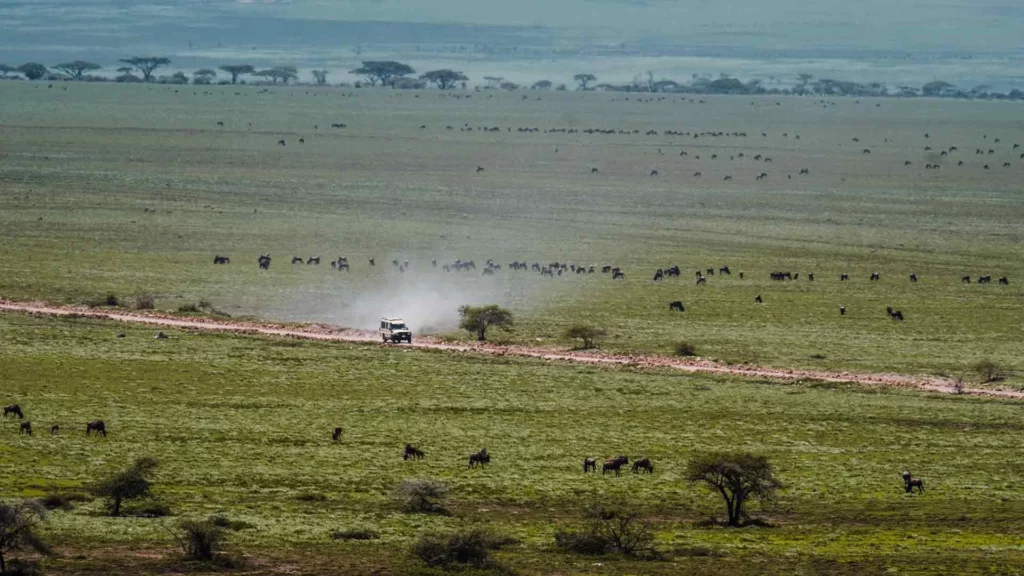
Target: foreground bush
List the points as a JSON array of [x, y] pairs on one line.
[[200, 539], [19, 530], [685, 349], [145, 302], [606, 530], [458, 550], [422, 495]]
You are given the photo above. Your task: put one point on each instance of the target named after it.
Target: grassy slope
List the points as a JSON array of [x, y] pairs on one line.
[[133, 189], [241, 426]]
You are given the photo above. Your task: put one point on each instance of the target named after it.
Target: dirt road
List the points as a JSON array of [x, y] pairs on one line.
[[334, 334]]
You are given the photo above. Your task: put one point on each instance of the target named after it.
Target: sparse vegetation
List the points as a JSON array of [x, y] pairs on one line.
[[19, 530], [989, 370], [685, 349], [200, 539], [609, 529], [588, 335], [145, 302], [422, 495], [355, 534], [132, 483], [469, 548]]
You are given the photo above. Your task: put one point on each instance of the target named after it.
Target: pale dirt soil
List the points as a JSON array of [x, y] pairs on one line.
[[323, 332]]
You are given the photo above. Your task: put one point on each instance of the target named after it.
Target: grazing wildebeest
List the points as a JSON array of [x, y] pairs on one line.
[[15, 410], [844, 277], [302, 140], [654, 172], [337, 434], [589, 465], [281, 142], [702, 280], [876, 276], [54, 430], [412, 453], [160, 336], [297, 260], [758, 299], [313, 260], [218, 259], [264, 261], [618, 275], [725, 270], [711, 271], [373, 262], [842, 310], [97, 426], [481, 458], [965, 280], [727, 178], [696, 174], [614, 464], [658, 275], [643, 465], [909, 483], [741, 275], [866, 151], [804, 171], [677, 305], [593, 170], [1004, 281], [913, 277], [479, 169], [985, 279], [26, 428]]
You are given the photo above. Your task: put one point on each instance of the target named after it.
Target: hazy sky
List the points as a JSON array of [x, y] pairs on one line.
[[969, 41]]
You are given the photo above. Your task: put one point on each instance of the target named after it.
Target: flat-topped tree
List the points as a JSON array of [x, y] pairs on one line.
[[237, 70], [477, 319], [584, 80], [385, 72], [146, 65], [33, 70], [77, 68], [445, 79]]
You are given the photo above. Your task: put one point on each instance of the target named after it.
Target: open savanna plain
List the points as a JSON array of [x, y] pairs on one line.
[[131, 190]]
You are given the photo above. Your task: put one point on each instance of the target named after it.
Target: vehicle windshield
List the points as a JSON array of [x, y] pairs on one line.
[[398, 326]]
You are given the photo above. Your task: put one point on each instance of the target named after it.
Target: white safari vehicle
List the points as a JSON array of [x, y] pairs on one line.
[[394, 330]]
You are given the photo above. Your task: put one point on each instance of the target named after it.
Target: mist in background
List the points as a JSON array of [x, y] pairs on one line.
[[966, 42]]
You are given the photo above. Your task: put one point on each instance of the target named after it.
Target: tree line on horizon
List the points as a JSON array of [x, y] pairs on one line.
[[398, 75]]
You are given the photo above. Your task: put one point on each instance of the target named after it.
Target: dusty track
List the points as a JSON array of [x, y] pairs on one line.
[[334, 334]]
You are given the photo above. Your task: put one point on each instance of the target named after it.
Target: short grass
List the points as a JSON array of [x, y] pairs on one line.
[[133, 189], [241, 427]]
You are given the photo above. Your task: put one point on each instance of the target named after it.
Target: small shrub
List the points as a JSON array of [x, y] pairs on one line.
[[311, 497], [355, 534], [422, 495], [607, 530], [145, 302], [189, 308], [581, 542], [200, 540], [587, 335], [56, 500], [112, 300], [456, 550], [685, 349], [225, 522], [20, 567], [989, 370], [152, 509]]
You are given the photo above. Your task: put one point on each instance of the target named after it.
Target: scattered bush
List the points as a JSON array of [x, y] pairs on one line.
[[132, 483], [311, 497], [189, 308], [587, 334], [225, 522], [422, 495], [19, 530], [608, 529], [457, 550], [112, 300], [151, 510], [19, 567], [355, 534], [685, 349], [989, 370], [200, 540], [58, 500], [145, 302]]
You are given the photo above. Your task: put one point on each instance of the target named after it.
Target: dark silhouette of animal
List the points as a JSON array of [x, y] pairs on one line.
[[373, 262], [842, 310], [654, 172], [985, 279], [725, 270], [658, 275], [97, 426], [160, 336], [702, 280], [894, 314], [1004, 281], [412, 453], [15, 410], [758, 300], [677, 305], [313, 260], [54, 430], [297, 260], [844, 277], [218, 259], [281, 142], [481, 458], [302, 140], [876, 276], [336, 436], [614, 464], [965, 280], [339, 126], [618, 275], [913, 277], [593, 171], [264, 261], [909, 483], [479, 169], [589, 465], [26, 428], [643, 465]]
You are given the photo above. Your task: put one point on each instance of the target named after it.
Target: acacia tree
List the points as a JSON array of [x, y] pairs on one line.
[[445, 79], [737, 477], [320, 76], [477, 319], [18, 526], [33, 70], [542, 85], [77, 68], [587, 334], [131, 483], [204, 76], [584, 80], [146, 65], [237, 70], [385, 72]]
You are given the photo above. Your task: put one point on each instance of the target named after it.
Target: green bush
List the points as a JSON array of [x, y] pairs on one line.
[[458, 549], [355, 534], [200, 540], [145, 302], [685, 349], [422, 495]]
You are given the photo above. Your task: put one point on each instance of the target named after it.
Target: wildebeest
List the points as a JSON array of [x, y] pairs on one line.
[[614, 464], [26, 428], [725, 270], [654, 172], [15, 410], [909, 483], [876, 276], [658, 275], [218, 259], [373, 262], [894, 314], [593, 171], [643, 465], [589, 465], [481, 458], [618, 275], [677, 305], [297, 260], [965, 280], [97, 426], [842, 310], [702, 280], [412, 453], [281, 142], [1004, 281], [758, 299], [54, 430], [844, 277], [479, 169], [986, 279], [913, 277], [337, 434], [313, 260], [264, 261]]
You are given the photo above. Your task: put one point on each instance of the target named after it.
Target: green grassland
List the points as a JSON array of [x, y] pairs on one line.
[[241, 426], [131, 189]]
